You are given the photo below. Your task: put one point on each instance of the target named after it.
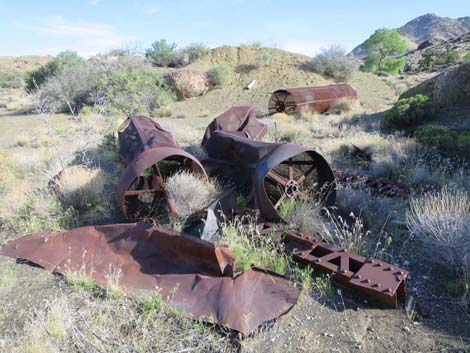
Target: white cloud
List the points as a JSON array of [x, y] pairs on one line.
[[87, 38], [303, 46], [146, 7], [94, 2]]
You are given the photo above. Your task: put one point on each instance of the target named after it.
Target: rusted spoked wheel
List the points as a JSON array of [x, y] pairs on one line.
[[151, 190], [293, 180], [281, 102]]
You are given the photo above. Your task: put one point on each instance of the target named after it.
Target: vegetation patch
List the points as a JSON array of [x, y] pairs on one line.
[[408, 112], [448, 142], [220, 74]]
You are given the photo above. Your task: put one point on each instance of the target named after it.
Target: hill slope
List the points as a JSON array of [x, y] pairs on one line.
[[427, 27], [285, 70]]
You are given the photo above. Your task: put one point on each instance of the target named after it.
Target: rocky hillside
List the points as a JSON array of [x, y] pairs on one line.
[[429, 27]]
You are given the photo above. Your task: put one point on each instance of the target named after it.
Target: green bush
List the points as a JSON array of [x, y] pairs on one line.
[[466, 57], [432, 57], [220, 74], [448, 142], [162, 53], [135, 90], [332, 63], [264, 58], [191, 53], [408, 112], [39, 76], [11, 79]]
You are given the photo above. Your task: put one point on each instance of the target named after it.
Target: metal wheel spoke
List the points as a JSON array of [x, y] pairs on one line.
[[278, 203], [291, 170], [302, 178], [276, 177], [161, 183]]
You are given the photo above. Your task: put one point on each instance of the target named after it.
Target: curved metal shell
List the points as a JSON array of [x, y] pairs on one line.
[[309, 99], [292, 171], [241, 119], [150, 154]]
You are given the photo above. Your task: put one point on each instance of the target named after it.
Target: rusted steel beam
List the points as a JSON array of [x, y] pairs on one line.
[[377, 185], [373, 278], [150, 155], [267, 174], [309, 99]]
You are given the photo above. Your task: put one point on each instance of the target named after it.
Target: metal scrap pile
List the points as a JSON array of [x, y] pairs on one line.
[[193, 274]]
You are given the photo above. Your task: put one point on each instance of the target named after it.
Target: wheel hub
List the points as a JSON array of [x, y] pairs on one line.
[[291, 189]]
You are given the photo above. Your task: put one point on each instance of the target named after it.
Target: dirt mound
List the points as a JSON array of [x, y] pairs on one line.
[[283, 70]]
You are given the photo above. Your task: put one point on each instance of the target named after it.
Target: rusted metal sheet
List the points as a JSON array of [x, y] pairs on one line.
[[190, 274], [268, 174], [370, 277], [239, 120], [309, 99], [150, 155]]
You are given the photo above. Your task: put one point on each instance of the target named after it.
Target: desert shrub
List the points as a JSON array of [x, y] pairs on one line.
[[264, 58], [190, 193], [81, 187], [333, 63], [39, 76], [220, 74], [162, 53], [135, 90], [408, 112], [72, 88], [190, 54], [382, 47], [442, 221], [466, 57], [432, 57], [11, 79], [449, 143]]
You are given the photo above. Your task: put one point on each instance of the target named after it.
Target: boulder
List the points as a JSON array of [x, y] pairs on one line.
[[189, 83]]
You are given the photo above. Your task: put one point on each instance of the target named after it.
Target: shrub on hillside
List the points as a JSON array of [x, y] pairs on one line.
[[39, 76], [408, 112], [449, 143], [432, 57], [191, 53], [264, 58], [220, 74], [162, 53], [466, 57], [333, 63], [11, 79], [135, 90]]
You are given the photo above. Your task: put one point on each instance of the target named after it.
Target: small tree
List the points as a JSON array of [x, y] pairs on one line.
[[333, 63], [382, 48], [220, 74], [162, 53]]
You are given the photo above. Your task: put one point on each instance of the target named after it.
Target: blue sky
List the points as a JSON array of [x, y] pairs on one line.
[[92, 26]]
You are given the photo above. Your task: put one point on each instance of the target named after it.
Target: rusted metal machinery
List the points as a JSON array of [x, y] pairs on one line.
[[268, 174], [309, 99], [372, 278], [150, 155], [192, 275]]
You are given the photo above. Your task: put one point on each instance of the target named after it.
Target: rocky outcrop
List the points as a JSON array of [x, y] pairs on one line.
[[189, 83]]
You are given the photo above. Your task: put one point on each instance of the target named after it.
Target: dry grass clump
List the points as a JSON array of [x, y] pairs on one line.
[[81, 187], [80, 322], [190, 192], [28, 160], [442, 219], [346, 106]]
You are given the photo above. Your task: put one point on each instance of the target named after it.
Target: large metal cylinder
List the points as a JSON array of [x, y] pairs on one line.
[[309, 99]]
